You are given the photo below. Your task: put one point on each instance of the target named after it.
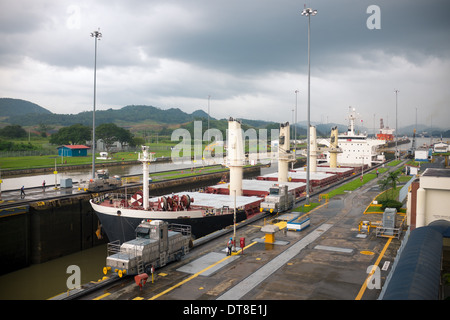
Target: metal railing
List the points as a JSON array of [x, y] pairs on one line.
[[390, 232], [184, 229], [113, 247]]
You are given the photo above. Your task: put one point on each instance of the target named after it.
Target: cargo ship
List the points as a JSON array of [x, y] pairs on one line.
[[386, 134], [120, 214]]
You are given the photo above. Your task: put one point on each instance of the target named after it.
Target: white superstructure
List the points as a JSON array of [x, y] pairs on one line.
[[357, 149]]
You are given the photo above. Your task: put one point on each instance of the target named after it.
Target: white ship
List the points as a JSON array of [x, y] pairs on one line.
[[357, 148]]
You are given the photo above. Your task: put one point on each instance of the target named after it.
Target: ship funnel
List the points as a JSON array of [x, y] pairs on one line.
[[284, 153], [235, 156]]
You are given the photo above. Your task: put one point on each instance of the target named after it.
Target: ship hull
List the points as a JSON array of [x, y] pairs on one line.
[[120, 223]]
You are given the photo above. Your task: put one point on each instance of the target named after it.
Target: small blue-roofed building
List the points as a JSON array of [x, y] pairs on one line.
[[75, 150]]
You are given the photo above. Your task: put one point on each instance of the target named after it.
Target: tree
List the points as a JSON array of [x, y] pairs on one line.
[[393, 179], [109, 133], [390, 181], [75, 134], [384, 184], [13, 131], [43, 128]]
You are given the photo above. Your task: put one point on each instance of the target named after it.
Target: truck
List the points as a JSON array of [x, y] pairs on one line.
[[157, 243], [279, 199]]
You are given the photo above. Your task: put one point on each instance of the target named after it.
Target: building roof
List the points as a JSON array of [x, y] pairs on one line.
[[417, 274], [433, 172], [74, 146]]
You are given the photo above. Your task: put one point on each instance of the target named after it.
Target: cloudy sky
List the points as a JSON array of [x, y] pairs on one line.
[[249, 56]]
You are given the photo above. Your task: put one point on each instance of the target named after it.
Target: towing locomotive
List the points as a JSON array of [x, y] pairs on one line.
[[157, 243]]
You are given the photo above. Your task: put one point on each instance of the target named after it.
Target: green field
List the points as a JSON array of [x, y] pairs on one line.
[[30, 162], [349, 186], [45, 161]]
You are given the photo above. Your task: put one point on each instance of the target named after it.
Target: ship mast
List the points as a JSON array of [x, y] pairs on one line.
[[351, 118], [145, 159]]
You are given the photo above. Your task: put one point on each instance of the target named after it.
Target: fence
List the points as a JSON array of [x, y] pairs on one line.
[[404, 190], [27, 153]]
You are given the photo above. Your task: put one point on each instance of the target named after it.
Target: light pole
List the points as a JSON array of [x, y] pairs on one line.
[[209, 97], [96, 35], [291, 133], [396, 125], [295, 122], [308, 12]]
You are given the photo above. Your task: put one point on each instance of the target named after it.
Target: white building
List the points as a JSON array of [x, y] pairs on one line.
[[429, 200], [422, 154], [441, 147]]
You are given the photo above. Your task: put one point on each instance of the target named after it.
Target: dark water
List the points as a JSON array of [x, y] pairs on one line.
[[48, 279]]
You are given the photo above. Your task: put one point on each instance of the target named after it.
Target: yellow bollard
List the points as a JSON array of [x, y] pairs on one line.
[[106, 269], [270, 238]]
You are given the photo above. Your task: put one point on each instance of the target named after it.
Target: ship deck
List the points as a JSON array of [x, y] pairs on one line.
[[258, 188], [216, 201], [316, 178]]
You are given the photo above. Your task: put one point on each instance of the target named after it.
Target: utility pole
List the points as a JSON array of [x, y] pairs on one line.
[[96, 35], [308, 12]]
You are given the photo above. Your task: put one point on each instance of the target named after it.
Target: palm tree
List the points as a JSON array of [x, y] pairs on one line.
[[393, 179], [384, 184]]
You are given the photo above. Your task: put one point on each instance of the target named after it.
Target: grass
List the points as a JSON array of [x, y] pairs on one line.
[[394, 163], [305, 208], [30, 162], [352, 185]]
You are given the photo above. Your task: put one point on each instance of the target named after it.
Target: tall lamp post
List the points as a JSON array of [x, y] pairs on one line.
[[295, 122], [396, 125], [209, 97], [308, 12], [96, 35]]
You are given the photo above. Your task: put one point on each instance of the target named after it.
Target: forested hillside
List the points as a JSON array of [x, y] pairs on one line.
[[25, 113], [17, 107]]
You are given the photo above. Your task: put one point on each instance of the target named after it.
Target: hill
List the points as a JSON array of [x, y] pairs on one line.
[[17, 107], [145, 118], [132, 114]]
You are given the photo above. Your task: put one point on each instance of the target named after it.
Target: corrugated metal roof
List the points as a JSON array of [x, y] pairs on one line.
[[436, 172], [442, 226], [74, 146], [417, 275]]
